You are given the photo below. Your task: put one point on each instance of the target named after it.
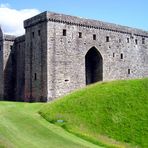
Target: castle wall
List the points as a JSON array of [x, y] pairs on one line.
[[65, 65], [1, 72], [9, 63], [36, 59], [1, 66], [61, 53], [12, 68], [124, 55], [20, 68]]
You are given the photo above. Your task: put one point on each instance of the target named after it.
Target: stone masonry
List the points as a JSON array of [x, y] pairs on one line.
[[61, 53]]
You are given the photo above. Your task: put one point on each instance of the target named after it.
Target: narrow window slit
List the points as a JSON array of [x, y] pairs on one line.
[[11, 47], [129, 71], [113, 54], [35, 76], [136, 41], [39, 32], [121, 56], [127, 40], [33, 34]]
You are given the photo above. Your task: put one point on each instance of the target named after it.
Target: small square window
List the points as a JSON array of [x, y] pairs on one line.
[[143, 40], [64, 32], [94, 36], [80, 34], [107, 38]]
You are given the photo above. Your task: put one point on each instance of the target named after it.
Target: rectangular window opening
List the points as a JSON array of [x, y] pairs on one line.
[[143, 40], [33, 34], [64, 32], [121, 56], [107, 38], [11, 47], [136, 41], [80, 34], [129, 71], [94, 36], [39, 32], [66, 80], [127, 40], [35, 76], [113, 54]]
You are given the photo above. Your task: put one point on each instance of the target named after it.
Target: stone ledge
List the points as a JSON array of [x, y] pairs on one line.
[[82, 22]]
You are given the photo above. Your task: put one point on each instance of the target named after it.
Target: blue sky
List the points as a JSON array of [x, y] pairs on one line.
[[133, 13]]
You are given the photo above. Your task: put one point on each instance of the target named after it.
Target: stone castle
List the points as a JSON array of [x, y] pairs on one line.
[[60, 53]]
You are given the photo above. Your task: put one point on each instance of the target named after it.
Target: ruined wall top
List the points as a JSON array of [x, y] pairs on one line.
[[82, 22], [20, 39], [9, 37], [5, 36], [1, 33]]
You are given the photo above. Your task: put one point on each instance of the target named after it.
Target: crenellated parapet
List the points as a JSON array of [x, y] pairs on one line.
[[82, 22], [35, 20], [94, 24]]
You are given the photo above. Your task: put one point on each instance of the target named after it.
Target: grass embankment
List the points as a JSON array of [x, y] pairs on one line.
[[110, 110], [22, 127]]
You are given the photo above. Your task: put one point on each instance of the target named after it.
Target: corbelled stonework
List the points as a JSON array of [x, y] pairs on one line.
[[61, 53]]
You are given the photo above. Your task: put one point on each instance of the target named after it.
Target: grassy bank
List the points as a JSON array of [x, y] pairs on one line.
[[22, 127], [112, 113]]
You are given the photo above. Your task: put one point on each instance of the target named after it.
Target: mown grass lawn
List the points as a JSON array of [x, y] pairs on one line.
[[105, 111], [22, 127]]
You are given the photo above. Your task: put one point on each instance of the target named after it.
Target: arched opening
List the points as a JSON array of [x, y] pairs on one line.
[[93, 66]]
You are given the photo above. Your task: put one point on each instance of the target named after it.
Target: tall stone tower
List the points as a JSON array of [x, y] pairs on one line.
[[1, 66], [36, 58], [7, 66]]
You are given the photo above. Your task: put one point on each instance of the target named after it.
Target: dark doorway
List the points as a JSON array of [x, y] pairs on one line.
[[93, 66]]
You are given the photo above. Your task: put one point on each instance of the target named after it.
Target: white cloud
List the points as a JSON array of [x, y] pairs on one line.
[[11, 20]]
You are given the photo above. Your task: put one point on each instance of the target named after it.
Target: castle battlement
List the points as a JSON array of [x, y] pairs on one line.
[[83, 22], [36, 20]]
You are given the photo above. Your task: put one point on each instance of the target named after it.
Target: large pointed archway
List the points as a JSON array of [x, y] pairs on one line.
[[93, 66]]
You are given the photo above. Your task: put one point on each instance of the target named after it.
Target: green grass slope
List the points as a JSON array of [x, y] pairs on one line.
[[105, 111], [22, 127]]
